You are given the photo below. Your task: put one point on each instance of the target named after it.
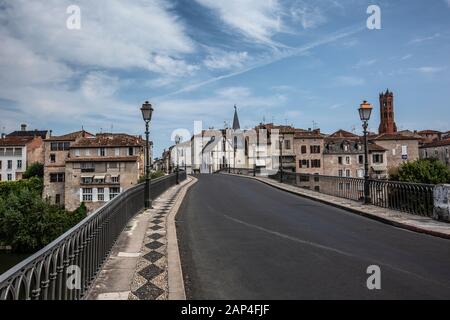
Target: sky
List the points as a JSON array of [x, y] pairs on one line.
[[304, 63]]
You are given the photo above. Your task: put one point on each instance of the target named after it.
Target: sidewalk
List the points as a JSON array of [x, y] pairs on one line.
[[145, 257], [395, 218]]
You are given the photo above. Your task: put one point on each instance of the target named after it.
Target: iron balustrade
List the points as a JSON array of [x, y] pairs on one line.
[[414, 198], [85, 247]]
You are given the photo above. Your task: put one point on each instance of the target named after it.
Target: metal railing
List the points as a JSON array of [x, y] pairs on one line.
[[414, 198], [50, 274]]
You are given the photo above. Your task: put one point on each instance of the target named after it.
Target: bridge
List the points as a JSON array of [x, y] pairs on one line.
[[243, 236]]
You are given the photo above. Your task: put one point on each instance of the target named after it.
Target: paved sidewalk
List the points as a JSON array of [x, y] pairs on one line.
[[137, 268], [396, 218]]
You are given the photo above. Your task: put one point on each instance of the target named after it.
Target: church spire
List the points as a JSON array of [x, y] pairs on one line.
[[236, 125]]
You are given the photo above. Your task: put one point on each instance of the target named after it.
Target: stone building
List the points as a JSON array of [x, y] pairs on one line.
[[438, 150], [56, 153], [308, 148], [99, 168], [181, 156]]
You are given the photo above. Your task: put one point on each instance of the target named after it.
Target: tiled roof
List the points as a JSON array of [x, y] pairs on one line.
[[428, 132], [386, 136], [15, 141], [343, 134], [30, 133], [336, 146], [308, 134], [104, 159], [437, 144], [71, 136], [109, 140]]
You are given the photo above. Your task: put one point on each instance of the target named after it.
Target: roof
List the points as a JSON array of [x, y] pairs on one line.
[[308, 134], [387, 136], [236, 125], [71, 136], [15, 141], [343, 134], [271, 126], [30, 133], [336, 146], [104, 159], [435, 144], [109, 140], [429, 132]]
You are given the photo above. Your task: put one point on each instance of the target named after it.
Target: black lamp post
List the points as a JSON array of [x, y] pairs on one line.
[[281, 157], [177, 141], [365, 111], [147, 112]]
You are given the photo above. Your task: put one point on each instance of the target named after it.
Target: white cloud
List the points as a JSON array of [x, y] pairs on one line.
[[235, 93], [429, 70], [257, 20], [226, 60], [423, 39], [309, 17], [99, 85]]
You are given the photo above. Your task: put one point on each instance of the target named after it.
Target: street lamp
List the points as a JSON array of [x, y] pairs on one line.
[[281, 157], [365, 110], [147, 112], [177, 141]]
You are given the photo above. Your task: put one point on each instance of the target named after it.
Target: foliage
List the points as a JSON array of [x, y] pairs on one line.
[[430, 171], [27, 222], [154, 175], [34, 170]]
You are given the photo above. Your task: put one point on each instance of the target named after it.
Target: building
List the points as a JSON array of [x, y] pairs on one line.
[[387, 116], [438, 150], [430, 135], [23, 132], [56, 153], [343, 156], [99, 168], [17, 153], [308, 148], [181, 156]]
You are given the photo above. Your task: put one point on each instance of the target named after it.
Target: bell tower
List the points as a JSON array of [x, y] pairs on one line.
[[387, 123]]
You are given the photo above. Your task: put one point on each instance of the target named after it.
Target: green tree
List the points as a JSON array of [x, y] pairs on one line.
[[34, 170], [430, 171]]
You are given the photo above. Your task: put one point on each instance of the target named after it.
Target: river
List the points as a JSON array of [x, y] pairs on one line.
[[9, 260]]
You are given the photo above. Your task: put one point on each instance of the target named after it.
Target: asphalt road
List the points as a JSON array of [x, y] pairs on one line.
[[241, 239]]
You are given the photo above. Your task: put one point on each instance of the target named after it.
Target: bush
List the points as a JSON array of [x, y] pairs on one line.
[[34, 170], [154, 175], [27, 222], [430, 171]]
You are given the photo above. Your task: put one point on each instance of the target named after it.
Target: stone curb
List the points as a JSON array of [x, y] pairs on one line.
[[353, 210], [175, 272]]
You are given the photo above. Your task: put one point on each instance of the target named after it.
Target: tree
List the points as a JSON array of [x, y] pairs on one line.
[[431, 171], [34, 170]]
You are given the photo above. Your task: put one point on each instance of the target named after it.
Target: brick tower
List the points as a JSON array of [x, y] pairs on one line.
[[387, 123]]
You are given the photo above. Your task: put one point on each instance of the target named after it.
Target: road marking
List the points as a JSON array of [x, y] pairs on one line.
[[323, 247]]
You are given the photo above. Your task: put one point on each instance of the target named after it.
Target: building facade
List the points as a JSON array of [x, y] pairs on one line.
[[438, 150], [99, 168]]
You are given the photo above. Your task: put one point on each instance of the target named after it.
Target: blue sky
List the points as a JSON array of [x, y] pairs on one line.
[[305, 63]]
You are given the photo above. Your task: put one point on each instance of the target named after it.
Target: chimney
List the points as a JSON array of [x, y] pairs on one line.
[[23, 127], [3, 136], [50, 134]]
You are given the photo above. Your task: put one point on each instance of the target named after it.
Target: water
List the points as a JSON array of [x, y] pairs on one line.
[[9, 260]]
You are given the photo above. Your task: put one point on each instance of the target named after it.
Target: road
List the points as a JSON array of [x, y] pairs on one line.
[[242, 239]]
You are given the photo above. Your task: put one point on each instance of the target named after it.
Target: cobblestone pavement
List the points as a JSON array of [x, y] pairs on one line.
[[150, 281]]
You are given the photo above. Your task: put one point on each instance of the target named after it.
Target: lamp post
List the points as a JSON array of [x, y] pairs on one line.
[[281, 157], [365, 110], [147, 112], [177, 141]]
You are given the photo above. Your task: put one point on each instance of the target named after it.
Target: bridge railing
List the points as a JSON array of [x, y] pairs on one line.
[[414, 198], [66, 268]]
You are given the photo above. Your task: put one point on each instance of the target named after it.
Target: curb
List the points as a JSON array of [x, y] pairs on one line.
[[175, 272], [355, 211]]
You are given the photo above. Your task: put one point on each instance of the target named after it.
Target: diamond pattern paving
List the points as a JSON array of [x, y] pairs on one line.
[[153, 256], [150, 272], [148, 292], [154, 245]]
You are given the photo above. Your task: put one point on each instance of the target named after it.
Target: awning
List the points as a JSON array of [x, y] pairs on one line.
[[260, 162], [87, 176], [115, 175], [379, 167], [99, 177]]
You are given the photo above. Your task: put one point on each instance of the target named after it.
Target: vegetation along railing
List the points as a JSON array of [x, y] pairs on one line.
[[414, 198], [67, 267]]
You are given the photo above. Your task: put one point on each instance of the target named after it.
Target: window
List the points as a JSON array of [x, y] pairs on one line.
[[303, 149], [360, 173], [117, 152], [57, 199], [88, 152], [18, 152], [77, 152], [377, 158], [19, 164], [304, 163], [315, 149], [340, 160], [86, 180], [404, 150], [341, 173], [54, 146], [348, 173], [115, 179], [0, 164], [101, 152], [0, 177], [113, 192], [52, 158], [287, 144], [345, 147], [57, 177], [315, 163], [87, 194], [87, 167], [9, 176], [347, 160], [9, 152], [9, 164], [360, 159], [113, 165], [101, 194], [60, 146]]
